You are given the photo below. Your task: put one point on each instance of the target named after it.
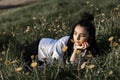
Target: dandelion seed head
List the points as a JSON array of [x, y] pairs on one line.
[[33, 18], [35, 27], [87, 2]]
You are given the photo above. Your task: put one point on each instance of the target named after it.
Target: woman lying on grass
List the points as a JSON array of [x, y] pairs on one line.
[[81, 38]]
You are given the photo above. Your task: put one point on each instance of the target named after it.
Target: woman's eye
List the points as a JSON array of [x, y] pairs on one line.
[[75, 33], [82, 36]]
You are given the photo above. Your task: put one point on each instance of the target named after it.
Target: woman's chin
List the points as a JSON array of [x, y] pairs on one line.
[[77, 44]]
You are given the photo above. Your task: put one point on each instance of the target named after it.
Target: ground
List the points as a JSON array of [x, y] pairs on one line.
[[7, 4]]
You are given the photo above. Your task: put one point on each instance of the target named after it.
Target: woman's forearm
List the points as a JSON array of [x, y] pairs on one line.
[[73, 57]]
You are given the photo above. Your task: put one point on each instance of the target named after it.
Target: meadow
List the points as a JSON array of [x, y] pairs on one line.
[[54, 19]]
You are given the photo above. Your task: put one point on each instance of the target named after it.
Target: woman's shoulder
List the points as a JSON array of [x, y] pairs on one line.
[[64, 38], [48, 40], [51, 40]]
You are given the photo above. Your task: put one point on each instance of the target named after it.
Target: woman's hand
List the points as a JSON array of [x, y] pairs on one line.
[[84, 45]]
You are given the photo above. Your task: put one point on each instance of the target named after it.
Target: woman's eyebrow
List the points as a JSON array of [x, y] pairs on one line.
[[80, 33], [75, 31]]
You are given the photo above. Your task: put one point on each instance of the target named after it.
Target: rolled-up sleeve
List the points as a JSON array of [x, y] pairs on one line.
[[57, 49]]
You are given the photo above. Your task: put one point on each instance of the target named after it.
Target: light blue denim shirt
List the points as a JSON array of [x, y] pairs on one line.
[[51, 48]]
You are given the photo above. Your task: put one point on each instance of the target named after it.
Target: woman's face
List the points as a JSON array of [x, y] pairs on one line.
[[80, 35]]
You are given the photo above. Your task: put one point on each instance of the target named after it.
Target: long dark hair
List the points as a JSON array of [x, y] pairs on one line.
[[86, 22]]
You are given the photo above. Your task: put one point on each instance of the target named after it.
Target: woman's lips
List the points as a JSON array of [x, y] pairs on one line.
[[78, 43]]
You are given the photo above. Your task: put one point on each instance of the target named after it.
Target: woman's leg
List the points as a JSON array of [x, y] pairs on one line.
[[30, 50]]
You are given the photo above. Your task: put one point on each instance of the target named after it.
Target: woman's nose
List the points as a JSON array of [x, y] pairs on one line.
[[78, 37]]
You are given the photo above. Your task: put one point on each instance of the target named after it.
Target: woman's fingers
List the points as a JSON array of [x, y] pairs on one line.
[[83, 46], [79, 47]]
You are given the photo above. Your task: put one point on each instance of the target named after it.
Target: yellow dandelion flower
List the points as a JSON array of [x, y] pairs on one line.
[[14, 61], [118, 14], [4, 32], [42, 17], [7, 62], [118, 5], [0, 59], [92, 5], [83, 65], [110, 73], [33, 60], [44, 20], [18, 69], [78, 51], [102, 20], [111, 39], [34, 64], [91, 66], [89, 56], [36, 56], [64, 48], [13, 34], [72, 40], [103, 14], [27, 29], [3, 52], [116, 8], [27, 73], [115, 44], [32, 57]]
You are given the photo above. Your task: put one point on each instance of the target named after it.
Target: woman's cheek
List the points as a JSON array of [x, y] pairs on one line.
[[84, 41]]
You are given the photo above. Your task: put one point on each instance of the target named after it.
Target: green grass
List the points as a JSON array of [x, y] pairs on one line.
[[55, 18]]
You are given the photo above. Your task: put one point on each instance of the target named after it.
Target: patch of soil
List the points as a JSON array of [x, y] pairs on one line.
[[8, 4]]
